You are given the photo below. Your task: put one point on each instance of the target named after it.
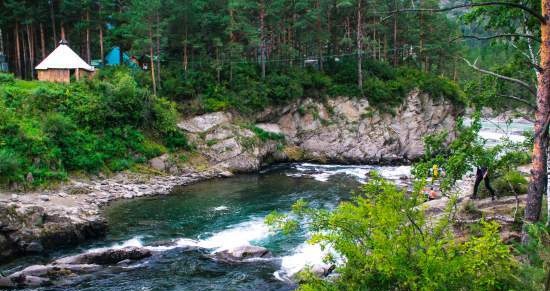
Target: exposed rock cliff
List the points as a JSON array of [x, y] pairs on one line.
[[339, 130]]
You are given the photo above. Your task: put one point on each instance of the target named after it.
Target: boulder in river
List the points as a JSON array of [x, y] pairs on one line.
[[107, 257], [241, 253]]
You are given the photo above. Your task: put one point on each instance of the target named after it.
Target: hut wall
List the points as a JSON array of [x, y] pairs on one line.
[[55, 75], [80, 74]]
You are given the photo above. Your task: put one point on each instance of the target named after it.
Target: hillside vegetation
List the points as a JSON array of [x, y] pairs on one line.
[[113, 122], [107, 124]]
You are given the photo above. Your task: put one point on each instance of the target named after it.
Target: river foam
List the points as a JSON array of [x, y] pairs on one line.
[[241, 234], [323, 173]]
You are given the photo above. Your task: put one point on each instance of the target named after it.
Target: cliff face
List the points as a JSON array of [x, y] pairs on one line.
[[340, 130]]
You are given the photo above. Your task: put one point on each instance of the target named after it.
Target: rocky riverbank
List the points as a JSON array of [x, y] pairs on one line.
[[37, 222], [340, 130]]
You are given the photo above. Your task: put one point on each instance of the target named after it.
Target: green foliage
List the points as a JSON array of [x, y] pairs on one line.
[[244, 90], [51, 129], [6, 78], [511, 183], [464, 153], [265, 135], [536, 274], [386, 243]]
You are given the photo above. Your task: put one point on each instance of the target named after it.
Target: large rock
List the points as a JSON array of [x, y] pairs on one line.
[[31, 229], [357, 133], [203, 123], [159, 163], [340, 130], [241, 253], [106, 257]]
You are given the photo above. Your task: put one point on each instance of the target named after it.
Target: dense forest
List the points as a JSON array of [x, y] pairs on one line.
[[187, 58], [222, 34]]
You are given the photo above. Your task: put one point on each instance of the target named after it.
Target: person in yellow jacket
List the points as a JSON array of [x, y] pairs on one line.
[[435, 173]]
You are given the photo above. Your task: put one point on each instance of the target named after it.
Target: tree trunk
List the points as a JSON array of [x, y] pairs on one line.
[[17, 50], [25, 70], [319, 40], [42, 42], [101, 48], [262, 38], [54, 28], [88, 49], [151, 60], [31, 50], [158, 48], [1, 42], [359, 47], [538, 172], [395, 60]]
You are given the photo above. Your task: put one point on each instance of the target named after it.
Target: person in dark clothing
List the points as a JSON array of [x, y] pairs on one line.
[[482, 173]]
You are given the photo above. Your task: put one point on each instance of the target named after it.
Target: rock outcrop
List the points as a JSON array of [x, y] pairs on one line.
[[341, 130], [106, 257], [69, 267], [71, 215], [242, 253], [226, 144], [31, 229]]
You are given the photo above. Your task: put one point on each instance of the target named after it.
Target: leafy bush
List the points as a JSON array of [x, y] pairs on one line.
[[265, 135], [10, 166], [6, 78], [386, 242], [106, 123], [511, 183]]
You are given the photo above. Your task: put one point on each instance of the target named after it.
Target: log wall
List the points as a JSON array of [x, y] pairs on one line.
[[55, 75]]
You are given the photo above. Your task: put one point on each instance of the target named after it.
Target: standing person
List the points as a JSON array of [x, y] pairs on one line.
[[435, 173], [482, 173]]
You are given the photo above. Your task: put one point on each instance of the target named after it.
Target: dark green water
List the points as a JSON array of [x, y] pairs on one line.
[[212, 215]]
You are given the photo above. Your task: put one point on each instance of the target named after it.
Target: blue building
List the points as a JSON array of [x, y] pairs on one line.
[[3, 63], [113, 58]]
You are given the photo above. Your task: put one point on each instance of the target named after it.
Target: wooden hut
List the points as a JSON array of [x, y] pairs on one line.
[[62, 64]]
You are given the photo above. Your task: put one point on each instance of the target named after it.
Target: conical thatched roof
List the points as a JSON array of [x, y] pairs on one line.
[[63, 57]]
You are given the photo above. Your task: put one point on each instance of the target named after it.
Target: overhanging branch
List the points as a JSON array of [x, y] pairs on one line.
[[496, 36], [526, 102], [502, 77], [530, 11]]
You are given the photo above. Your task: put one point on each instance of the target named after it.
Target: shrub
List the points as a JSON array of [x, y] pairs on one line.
[[10, 166], [510, 183], [385, 242], [51, 129], [215, 98], [265, 135], [165, 115], [176, 139], [6, 79]]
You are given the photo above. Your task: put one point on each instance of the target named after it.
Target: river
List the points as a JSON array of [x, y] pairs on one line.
[[220, 214]]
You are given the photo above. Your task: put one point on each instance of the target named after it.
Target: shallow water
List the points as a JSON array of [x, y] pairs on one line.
[[213, 215]]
